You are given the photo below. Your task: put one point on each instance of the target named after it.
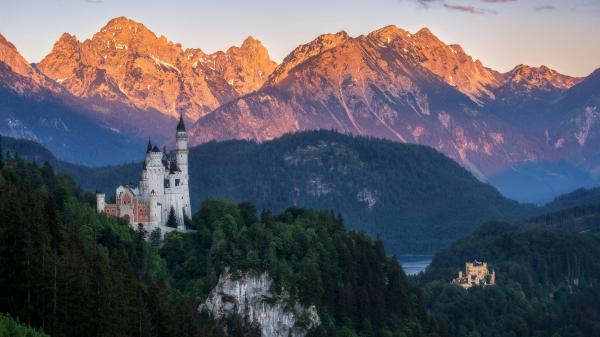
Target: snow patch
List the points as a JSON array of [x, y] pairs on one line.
[[164, 64]]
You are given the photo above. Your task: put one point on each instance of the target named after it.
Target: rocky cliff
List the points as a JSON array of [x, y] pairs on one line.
[[251, 296]]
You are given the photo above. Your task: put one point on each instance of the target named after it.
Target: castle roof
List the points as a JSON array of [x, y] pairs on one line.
[[173, 168], [155, 149], [180, 125], [149, 146]]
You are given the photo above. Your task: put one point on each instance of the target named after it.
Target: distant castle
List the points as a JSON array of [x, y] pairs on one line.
[[163, 189], [476, 274]]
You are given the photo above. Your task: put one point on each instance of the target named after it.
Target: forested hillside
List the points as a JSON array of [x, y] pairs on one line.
[[546, 282], [578, 197], [68, 271], [11, 328], [413, 197]]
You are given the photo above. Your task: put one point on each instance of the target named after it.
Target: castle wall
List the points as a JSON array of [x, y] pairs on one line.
[[163, 185]]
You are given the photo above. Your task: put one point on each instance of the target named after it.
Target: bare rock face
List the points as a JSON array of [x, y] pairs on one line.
[[390, 84], [128, 64], [250, 297], [18, 75], [245, 68], [535, 82], [11, 57], [449, 62]]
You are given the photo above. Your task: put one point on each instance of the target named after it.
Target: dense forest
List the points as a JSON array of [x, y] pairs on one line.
[[581, 196], [357, 289], [413, 197], [68, 271], [546, 284], [11, 328]]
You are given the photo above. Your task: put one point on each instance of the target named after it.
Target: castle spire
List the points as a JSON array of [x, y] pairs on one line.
[[149, 149], [181, 125]]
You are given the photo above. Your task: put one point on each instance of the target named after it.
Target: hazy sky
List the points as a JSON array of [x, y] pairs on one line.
[[563, 34]]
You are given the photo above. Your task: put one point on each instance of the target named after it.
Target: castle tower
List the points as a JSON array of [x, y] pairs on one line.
[[155, 171], [100, 202], [153, 217], [182, 163]]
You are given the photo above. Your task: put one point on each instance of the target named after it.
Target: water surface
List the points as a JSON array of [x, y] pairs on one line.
[[414, 264]]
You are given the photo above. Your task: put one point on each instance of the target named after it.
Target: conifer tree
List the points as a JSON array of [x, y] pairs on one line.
[[171, 220], [155, 238]]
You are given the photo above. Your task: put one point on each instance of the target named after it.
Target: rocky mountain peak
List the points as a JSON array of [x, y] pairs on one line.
[[251, 42], [5, 44], [527, 78], [63, 60], [388, 33], [247, 67], [126, 64], [123, 24], [11, 57], [455, 67], [67, 39], [425, 33], [304, 52]]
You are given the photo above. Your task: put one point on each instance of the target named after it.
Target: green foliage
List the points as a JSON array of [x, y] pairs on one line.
[[546, 282], [171, 219], [11, 328], [415, 198], [578, 197], [356, 288], [68, 271]]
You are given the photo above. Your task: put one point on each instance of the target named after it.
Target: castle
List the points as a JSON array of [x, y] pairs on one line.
[[163, 189], [476, 274]]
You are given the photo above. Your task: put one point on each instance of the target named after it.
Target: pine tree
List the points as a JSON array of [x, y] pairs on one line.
[[155, 238], [172, 220]]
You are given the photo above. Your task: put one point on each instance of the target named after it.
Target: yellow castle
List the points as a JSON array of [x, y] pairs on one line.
[[476, 274]]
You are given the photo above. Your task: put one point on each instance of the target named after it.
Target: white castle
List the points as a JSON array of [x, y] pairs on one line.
[[163, 189]]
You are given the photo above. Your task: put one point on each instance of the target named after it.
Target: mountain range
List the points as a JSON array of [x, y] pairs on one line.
[[389, 83]]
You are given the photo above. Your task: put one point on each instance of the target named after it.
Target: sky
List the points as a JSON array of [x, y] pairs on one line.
[[562, 34]]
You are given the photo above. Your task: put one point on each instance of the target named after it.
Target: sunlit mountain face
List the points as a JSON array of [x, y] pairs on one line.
[[389, 83]]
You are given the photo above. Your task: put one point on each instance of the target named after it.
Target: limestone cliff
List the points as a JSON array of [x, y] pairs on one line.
[[250, 296]]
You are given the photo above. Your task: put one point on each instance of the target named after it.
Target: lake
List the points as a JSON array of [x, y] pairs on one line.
[[414, 264]]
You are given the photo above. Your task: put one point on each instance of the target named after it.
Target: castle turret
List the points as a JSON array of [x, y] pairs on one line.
[[100, 202], [182, 164], [154, 211], [155, 171]]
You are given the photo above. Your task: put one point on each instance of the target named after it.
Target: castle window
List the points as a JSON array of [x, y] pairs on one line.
[[167, 184], [176, 182]]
